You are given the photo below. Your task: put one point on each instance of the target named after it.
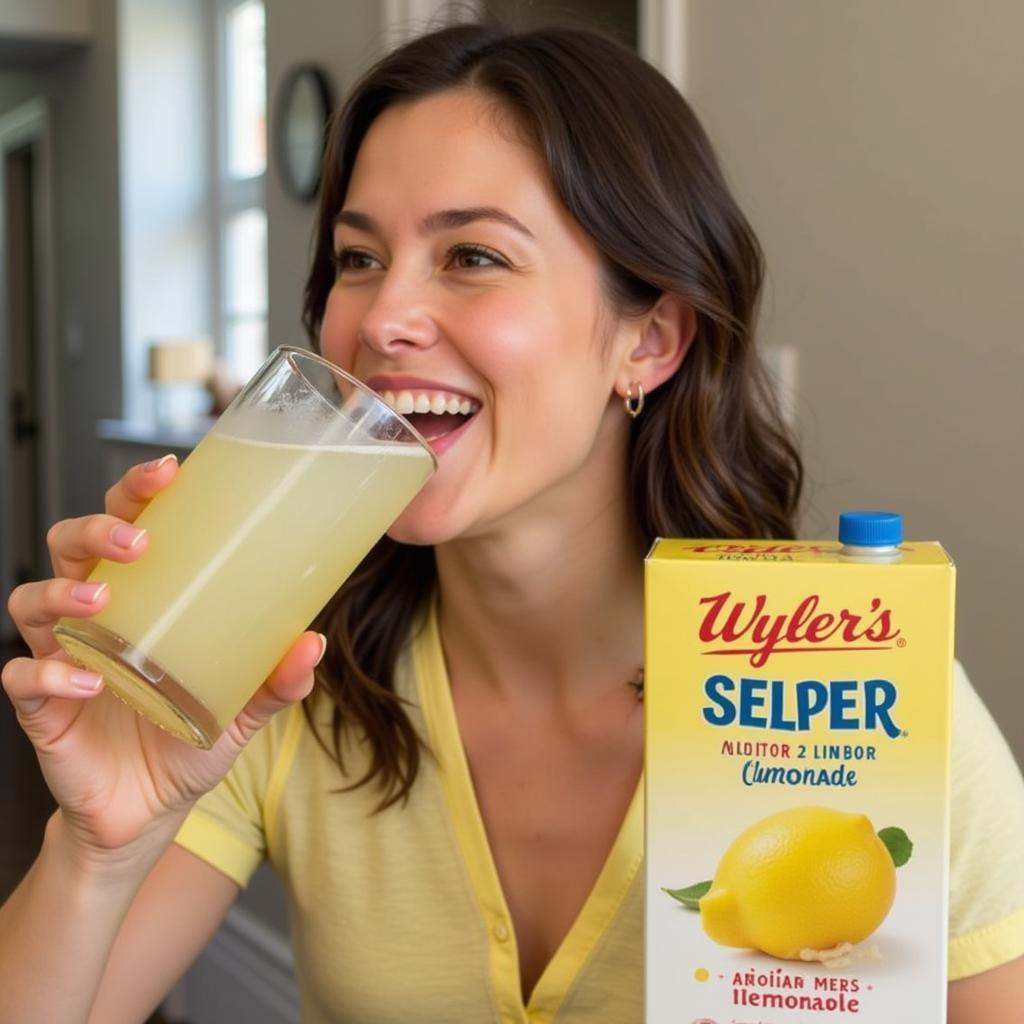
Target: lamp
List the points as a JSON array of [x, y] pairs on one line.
[[179, 369]]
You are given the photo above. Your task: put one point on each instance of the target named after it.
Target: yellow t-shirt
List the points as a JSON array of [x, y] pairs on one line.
[[400, 916]]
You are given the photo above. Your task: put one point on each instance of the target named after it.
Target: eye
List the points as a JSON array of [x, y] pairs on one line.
[[473, 257], [354, 259]]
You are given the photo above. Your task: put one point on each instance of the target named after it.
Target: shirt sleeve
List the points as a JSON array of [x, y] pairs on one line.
[[986, 877], [228, 826]]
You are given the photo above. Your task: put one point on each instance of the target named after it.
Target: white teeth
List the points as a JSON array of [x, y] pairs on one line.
[[438, 403]]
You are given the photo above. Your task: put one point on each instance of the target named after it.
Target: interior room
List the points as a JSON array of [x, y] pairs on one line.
[[159, 172]]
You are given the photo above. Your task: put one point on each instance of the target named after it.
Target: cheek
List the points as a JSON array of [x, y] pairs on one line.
[[521, 342], [339, 331], [546, 367], [546, 358]]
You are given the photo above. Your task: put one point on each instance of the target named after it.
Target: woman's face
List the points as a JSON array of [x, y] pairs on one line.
[[462, 282]]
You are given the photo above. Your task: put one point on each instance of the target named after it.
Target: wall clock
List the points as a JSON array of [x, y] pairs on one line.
[[303, 107]]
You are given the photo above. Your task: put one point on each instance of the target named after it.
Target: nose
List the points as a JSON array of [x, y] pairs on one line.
[[399, 318]]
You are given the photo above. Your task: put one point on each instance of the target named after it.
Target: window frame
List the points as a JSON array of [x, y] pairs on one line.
[[229, 196]]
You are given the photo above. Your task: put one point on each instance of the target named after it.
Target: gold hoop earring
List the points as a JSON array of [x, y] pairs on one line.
[[634, 403]]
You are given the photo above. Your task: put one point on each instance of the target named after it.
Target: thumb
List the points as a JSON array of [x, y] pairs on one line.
[[289, 683]]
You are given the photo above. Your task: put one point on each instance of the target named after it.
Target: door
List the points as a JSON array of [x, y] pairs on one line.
[[29, 461], [24, 483]]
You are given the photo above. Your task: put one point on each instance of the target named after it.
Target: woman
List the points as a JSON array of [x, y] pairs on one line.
[[536, 224]]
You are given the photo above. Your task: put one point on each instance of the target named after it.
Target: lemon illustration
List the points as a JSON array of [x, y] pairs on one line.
[[809, 878]]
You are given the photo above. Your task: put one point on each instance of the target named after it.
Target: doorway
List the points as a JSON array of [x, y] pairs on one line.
[[24, 477], [28, 422]]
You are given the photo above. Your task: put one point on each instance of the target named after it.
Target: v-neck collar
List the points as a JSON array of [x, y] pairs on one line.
[[613, 883]]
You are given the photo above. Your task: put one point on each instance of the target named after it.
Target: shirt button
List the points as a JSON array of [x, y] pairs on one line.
[[501, 932]]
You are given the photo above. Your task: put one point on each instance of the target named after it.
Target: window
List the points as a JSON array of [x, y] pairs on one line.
[[241, 175]]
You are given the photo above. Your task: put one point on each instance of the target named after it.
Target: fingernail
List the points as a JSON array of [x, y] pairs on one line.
[[87, 682], [323, 649], [152, 467], [88, 593], [126, 536]]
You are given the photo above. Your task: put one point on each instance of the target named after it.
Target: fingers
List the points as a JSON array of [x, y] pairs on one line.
[[288, 683], [31, 683], [76, 545], [291, 677], [36, 607], [132, 493]]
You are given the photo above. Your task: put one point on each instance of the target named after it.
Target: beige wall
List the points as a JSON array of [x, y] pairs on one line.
[[877, 149]]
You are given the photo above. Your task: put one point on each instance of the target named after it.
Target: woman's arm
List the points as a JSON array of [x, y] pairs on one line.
[[107, 867], [85, 942], [176, 913], [992, 997]]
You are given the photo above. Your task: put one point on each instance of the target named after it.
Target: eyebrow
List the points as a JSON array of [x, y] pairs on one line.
[[438, 221]]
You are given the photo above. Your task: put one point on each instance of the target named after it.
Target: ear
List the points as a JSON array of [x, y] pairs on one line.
[[665, 336]]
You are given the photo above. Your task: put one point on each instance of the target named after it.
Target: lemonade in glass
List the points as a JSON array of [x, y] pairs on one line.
[[278, 503]]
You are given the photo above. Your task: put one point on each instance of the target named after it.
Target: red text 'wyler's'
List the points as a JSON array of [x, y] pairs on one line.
[[751, 628]]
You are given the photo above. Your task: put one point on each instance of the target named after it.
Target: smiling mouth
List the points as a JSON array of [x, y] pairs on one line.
[[433, 413]]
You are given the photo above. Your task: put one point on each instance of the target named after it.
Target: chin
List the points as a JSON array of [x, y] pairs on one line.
[[414, 537], [424, 525]]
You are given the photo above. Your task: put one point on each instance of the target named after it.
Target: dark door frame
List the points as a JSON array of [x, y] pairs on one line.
[[30, 125]]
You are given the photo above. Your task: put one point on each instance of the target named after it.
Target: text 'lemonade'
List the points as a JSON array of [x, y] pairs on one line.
[[798, 703], [255, 534]]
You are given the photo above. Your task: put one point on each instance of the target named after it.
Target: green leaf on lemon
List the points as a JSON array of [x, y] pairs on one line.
[[690, 896], [898, 843]]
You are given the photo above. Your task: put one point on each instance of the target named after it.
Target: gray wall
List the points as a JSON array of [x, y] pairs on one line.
[[52, 19], [16, 87], [877, 149], [82, 89]]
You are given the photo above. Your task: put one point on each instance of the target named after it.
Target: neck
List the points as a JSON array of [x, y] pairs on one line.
[[549, 608]]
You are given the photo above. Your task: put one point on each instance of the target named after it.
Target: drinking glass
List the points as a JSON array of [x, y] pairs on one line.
[[278, 503]]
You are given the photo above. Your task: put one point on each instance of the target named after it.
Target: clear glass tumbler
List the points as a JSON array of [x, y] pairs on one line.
[[279, 502]]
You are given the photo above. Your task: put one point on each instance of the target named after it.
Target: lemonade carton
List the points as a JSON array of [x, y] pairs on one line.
[[797, 773]]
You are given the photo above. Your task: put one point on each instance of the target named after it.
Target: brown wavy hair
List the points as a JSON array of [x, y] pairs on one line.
[[709, 456]]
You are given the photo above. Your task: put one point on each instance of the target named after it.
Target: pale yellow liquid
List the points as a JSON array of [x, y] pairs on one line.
[[245, 547]]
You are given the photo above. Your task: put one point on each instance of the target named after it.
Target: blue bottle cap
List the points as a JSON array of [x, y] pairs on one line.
[[870, 529]]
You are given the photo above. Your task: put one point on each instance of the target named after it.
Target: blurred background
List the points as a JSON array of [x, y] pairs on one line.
[[157, 166]]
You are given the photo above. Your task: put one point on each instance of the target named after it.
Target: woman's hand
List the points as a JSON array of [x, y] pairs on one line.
[[118, 779]]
